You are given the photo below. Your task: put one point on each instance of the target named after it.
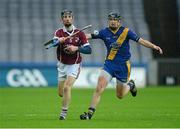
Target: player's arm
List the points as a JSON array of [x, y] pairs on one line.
[[88, 36], [95, 35], [133, 36], [85, 49], [148, 44], [59, 39], [55, 42]]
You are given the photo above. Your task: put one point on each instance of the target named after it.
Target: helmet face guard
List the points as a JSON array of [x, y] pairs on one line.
[[114, 16], [66, 12]]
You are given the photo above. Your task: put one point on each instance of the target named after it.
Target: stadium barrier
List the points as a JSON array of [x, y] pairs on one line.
[[44, 75], [164, 72]]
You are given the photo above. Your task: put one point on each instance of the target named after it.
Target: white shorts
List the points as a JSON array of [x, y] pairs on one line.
[[65, 70]]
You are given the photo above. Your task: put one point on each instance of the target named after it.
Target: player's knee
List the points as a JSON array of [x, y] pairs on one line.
[[101, 85], [101, 79], [66, 89], [98, 89], [68, 84], [102, 82], [119, 96]]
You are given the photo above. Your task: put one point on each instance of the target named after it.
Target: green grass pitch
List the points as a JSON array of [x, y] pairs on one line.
[[39, 107]]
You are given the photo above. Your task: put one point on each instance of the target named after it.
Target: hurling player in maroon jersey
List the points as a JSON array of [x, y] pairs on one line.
[[69, 58]]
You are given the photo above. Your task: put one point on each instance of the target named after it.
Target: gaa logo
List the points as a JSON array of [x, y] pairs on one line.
[[26, 78]]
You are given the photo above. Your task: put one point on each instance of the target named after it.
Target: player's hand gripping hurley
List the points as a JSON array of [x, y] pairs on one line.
[[52, 43]]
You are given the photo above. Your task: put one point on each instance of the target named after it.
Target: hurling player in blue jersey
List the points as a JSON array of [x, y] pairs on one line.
[[116, 39]]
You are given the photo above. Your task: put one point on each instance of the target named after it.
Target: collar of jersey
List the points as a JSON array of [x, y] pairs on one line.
[[114, 31], [64, 29]]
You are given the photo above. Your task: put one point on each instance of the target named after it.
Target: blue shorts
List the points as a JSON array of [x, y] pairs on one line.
[[120, 72]]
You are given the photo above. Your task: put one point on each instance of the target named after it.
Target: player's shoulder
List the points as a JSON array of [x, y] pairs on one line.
[[58, 30], [129, 29], [124, 27], [101, 31], [104, 29], [77, 29], [80, 33]]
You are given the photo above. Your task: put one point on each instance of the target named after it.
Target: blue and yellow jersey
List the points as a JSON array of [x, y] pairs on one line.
[[117, 43]]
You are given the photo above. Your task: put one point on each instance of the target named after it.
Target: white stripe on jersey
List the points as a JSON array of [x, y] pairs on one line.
[[73, 29], [86, 44], [78, 54]]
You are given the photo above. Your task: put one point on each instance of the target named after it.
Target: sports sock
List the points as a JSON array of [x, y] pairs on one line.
[[64, 112], [130, 85], [91, 111]]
